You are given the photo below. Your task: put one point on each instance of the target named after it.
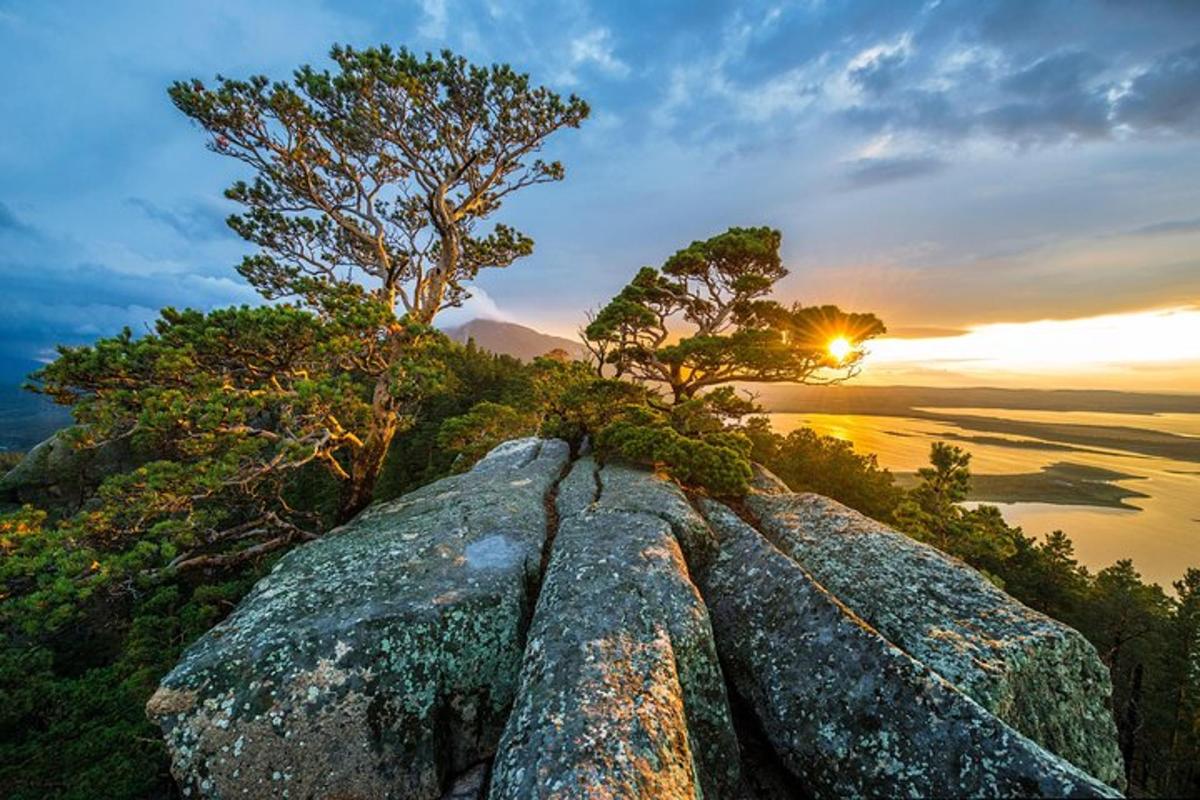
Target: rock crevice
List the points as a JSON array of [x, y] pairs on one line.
[[542, 627], [1036, 674]]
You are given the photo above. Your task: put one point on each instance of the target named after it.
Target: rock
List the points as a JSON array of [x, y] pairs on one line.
[[55, 474], [379, 660], [849, 713], [471, 785], [621, 692], [1038, 675]]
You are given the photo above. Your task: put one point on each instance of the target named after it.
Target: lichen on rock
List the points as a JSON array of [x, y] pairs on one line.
[[621, 692], [1038, 675], [376, 661], [848, 712]]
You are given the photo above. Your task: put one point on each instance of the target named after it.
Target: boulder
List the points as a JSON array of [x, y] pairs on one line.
[[848, 712], [56, 474], [1038, 675], [378, 661], [621, 693]]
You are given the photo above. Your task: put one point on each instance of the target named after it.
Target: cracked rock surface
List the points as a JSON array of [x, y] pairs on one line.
[[848, 712], [1038, 675], [539, 627], [378, 660], [621, 694]]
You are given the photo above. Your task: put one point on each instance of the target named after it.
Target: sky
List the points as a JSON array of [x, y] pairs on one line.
[[1014, 187]]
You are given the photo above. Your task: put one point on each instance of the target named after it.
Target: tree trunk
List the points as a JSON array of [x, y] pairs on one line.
[[1131, 721], [367, 461]]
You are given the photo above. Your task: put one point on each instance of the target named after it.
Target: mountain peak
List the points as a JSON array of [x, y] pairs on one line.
[[512, 339]]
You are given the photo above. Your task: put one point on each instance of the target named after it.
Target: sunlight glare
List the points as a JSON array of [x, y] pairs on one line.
[[839, 348]]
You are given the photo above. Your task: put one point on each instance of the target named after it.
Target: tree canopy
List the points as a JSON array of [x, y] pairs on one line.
[[719, 289], [381, 171]]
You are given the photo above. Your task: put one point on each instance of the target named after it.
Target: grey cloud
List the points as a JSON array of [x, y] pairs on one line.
[[867, 172], [1057, 75], [1168, 227], [1082, 115], [9, 221], [195, 222], [71, 305], [920, 109], [881, 72], [1166, 96]]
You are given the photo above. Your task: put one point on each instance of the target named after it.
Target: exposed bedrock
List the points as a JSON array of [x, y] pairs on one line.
[[378, 661], [56, 475], [474, 638], [848, 712], [1038, 675], [621, 694]]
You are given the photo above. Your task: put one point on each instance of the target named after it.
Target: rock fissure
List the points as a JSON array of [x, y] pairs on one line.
[[548, 626]]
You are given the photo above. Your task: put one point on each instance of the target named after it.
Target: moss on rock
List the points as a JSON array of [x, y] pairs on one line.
[[379, 660], [1038, 675], [849, 713]]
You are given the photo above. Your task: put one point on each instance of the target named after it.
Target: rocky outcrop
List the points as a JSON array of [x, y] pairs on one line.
[[621, 693], [56, 474], [1041, 677], [379, 660], [849, 713], [529, 630]]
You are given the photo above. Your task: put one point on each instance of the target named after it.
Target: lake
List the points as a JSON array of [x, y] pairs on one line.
[[1161, 533]]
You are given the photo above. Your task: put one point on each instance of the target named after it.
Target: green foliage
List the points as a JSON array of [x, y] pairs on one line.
[[809, 462], [236, 406], [718, 462], [719, 287], [485, 426], [1149, 641], [380, 170], [932, 513], [72, 723]]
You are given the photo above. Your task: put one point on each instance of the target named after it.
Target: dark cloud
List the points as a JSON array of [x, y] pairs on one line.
[[881, 72], [1168, 227], [9, 221], [867, 172], [1050, 119], [1166, 96], [932, 111], [1059, 75], [196, 222], [1063, 96], [47, 306]]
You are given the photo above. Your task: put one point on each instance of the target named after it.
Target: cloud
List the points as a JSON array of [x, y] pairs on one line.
[[1167, 228], [879, 68], [194, 222], [74, 305], [924, 332], [433, 25], [594, 48], [479, 305], [9, 221], [864, 173], [1166, 96]]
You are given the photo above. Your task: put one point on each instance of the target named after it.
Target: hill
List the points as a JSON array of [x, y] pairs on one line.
[[512, 339]]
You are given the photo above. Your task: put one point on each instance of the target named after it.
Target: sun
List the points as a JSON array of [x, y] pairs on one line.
[[839, 348]]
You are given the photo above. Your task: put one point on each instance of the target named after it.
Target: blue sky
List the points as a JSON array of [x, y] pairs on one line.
[[945, 164]]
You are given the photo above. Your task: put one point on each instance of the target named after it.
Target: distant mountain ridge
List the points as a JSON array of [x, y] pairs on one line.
[[512, 339]]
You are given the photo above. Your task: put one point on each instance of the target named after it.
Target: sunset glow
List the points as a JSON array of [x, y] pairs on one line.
[[1137, 343], [839, 348]]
